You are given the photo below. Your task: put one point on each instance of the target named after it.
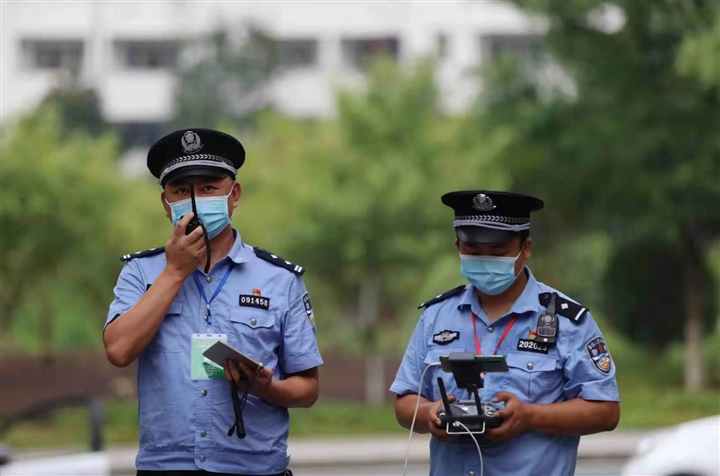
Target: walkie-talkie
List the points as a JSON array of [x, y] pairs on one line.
[[194, 223], [547, 325]]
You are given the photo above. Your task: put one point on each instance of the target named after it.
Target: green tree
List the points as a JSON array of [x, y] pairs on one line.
[[79, 108], [66, 216], [632, 148], [699, 54], [228, 83], [45, 214], [639, 269], [365, 193]]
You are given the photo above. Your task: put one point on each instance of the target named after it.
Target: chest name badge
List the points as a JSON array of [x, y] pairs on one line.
[[259, 302], [445, 337], [532, 346]]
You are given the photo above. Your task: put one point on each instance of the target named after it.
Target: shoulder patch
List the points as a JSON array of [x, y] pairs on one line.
[[599, 354], [142, 254], [278, 261], [566, 308], [443, 296]]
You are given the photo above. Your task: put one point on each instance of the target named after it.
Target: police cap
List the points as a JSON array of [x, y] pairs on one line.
[[195, 152], [483, 216]]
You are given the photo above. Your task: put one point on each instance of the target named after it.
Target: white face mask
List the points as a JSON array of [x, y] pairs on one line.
[[490, 275], [212, 212]]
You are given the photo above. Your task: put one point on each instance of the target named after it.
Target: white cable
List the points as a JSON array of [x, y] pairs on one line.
[[467, 430], [417, 407]]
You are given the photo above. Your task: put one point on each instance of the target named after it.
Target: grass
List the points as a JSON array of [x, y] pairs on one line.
[[642, 407]]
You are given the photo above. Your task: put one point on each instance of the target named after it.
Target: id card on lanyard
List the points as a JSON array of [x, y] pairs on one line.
[[202, 368]]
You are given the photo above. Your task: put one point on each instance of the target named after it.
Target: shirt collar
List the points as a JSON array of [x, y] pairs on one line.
[[238, 252], [527, 301], [469, 298]]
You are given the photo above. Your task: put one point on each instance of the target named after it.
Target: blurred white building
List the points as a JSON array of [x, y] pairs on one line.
[[128, 52]]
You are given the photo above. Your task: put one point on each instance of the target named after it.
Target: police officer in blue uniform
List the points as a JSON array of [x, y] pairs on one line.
[[557, 388], [195, 417]]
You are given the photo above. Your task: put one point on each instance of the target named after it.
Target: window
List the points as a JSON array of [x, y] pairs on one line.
[[297, 53], [48, 54], [147, 54], [139, 134], [527, 48], [357, 53]]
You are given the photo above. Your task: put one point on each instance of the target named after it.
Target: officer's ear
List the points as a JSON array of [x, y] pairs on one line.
[[168, 214], [457, 244], [526, 249], [234, 198]]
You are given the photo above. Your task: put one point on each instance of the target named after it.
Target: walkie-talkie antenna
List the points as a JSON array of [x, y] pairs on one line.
[[192, 200], [194, 223]]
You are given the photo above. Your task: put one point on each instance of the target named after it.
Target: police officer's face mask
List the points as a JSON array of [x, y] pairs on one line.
[[212, 212], [490, 275]]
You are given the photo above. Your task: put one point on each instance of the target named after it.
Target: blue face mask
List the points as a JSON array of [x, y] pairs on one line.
[[490, 275], [212, 212]]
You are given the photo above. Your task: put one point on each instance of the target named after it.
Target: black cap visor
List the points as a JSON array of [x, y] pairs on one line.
[[481, 234], [195, 171]]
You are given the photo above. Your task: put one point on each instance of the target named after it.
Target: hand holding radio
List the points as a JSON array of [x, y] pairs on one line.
[[185, 251], [195, 223]]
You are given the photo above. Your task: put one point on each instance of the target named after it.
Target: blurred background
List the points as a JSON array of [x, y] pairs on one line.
[[357, 117]]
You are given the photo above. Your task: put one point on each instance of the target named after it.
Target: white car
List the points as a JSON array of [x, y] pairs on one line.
[[688, 449], [85, 464]]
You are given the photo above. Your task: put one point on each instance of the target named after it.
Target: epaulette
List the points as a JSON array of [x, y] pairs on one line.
[[566, 308], [142, 254], [278, 261], [443, 296]]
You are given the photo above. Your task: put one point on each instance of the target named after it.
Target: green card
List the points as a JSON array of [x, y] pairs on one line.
[[201, 368]]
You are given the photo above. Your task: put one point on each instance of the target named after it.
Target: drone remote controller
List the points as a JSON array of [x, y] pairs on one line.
[[475, 415]]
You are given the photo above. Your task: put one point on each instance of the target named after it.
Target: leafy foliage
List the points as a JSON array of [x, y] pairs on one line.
[[642, 296], [366, 189], [65, 220], [630, 148], [228, 83]]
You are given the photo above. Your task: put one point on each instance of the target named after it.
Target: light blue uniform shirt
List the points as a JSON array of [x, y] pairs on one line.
[[568, 371], [183, 423]]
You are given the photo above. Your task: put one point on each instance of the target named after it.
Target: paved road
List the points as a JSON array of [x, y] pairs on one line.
[[600, 455], [594, 467]]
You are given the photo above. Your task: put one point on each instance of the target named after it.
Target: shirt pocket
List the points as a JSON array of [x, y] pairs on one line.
[[167, 338], [532, 377], [254, 332], [430, 384]]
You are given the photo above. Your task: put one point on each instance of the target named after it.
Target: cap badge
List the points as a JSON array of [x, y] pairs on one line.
[[191, 142], [483, 203]]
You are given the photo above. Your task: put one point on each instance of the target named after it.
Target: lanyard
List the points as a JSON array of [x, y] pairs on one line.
[[208, 315], [502, 337]]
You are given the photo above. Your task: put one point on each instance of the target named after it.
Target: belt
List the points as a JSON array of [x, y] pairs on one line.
[[202, 473]]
